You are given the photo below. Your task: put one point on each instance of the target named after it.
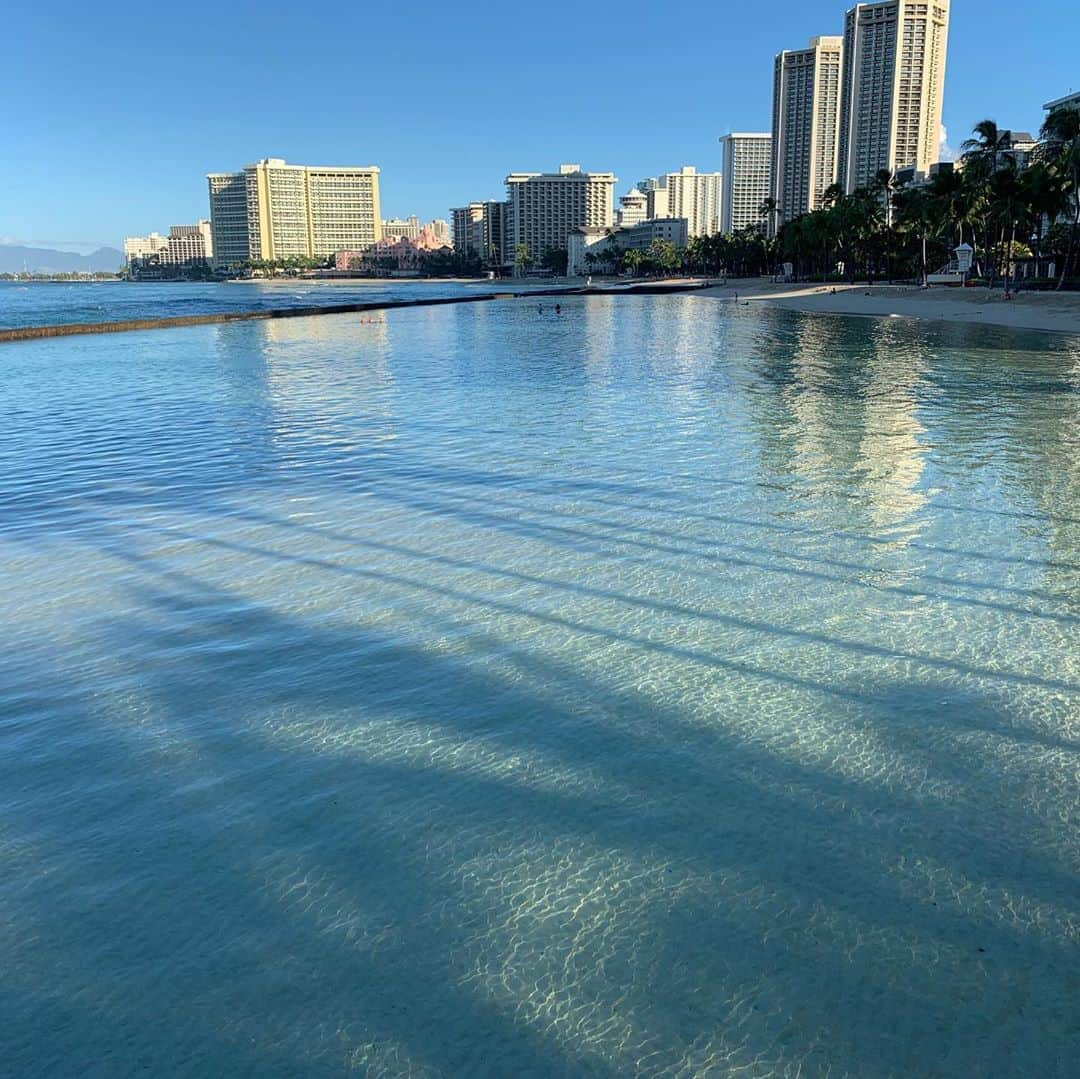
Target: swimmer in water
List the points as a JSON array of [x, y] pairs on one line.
[[539, 308], [558, 309]]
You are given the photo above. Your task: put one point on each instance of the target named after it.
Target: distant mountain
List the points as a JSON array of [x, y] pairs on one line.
[[16, 259]]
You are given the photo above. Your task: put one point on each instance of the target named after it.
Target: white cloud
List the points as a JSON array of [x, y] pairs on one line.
[[946, 152]]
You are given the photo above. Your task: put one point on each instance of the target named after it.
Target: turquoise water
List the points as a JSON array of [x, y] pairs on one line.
[[663, 689]]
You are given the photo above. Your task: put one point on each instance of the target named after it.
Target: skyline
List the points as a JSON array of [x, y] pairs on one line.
[[441, 137]]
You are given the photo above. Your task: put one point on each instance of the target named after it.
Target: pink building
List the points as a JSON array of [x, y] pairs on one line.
[[391, 252]]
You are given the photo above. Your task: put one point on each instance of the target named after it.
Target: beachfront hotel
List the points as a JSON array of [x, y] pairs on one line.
[[478, 229], [746, 171], [805, 131], [466, 223], [273, 210], [596, 240], [689, 194], [891, 90], [186, 245], [189, 244], [144, 247], [542, 207]]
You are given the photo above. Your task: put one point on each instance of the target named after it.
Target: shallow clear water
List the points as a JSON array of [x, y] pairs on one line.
[[665, 688], [49, 303]]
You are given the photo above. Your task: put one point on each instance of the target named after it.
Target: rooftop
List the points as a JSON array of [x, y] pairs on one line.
[[1070, 100]]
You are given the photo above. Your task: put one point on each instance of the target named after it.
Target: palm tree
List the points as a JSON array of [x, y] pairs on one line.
[[522, 259], [697, 253], [952, 202], [769, 211], [632, 259], [1008, 208], [884, 185], [1045, 194], [792, 236], [1061, 135], [917, 212], [983, 155]]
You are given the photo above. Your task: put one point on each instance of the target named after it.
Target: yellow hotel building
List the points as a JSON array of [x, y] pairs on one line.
[[273, 210]]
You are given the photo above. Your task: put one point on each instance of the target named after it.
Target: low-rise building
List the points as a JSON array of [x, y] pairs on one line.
[[393, 254], [1069, 101], [597, 241]]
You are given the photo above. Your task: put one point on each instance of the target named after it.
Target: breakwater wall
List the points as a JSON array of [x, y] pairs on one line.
[[71, 329]]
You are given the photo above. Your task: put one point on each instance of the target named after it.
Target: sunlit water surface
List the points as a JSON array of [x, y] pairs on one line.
[[664, 688], [48, 303]]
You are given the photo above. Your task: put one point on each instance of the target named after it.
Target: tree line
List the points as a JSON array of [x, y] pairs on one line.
[[1005, 207]]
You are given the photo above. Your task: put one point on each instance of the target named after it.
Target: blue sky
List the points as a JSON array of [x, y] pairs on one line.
[[112, 114]]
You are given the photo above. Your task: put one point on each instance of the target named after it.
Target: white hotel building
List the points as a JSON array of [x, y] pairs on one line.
[[806, 115], [689, 194], [747, 172], [542, 208], [893, 81]]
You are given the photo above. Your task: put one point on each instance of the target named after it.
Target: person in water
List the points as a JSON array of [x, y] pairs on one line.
[[539, 308], [558, 309]]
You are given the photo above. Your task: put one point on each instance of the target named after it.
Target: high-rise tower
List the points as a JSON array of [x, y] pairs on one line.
[[805, 134], [893, 82]]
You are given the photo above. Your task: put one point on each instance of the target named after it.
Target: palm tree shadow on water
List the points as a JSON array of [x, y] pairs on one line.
[[316, 846]]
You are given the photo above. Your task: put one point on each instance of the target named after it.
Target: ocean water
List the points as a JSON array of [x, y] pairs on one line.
[[47, 303], [666, 688]]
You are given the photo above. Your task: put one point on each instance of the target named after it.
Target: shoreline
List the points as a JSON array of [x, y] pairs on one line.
[[1050, 312]]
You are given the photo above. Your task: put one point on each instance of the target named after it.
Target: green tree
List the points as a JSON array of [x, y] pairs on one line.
[[556, 260], [1061, 139], [983, 155], [664, 255], [1045, 193], [917, 214], [522, 259], [769, 212], [952, 202], [632, 259]]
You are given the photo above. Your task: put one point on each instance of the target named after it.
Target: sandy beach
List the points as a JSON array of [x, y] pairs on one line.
[[1055, 311]]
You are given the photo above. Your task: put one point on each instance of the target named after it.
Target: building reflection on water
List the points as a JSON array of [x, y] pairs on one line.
[[840, 415]]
